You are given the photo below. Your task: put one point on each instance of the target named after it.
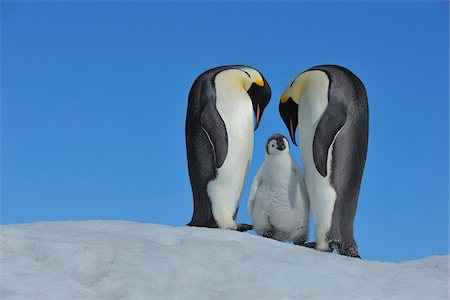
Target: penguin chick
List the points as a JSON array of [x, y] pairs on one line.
[[278, 202]]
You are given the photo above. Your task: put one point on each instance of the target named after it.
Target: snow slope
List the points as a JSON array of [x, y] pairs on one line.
[[125, 260]]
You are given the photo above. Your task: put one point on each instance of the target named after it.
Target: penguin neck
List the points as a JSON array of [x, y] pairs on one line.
[[314, 99], [232, 82], [277, 158]]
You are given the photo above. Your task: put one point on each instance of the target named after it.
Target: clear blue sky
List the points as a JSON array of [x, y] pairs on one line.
[[94, 98]]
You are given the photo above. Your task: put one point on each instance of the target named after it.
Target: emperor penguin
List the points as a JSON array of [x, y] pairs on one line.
[[330, 104], [219, 140], [278, 202]]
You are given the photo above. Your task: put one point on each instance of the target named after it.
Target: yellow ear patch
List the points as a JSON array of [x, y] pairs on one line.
[[296, 89], [284, 98], [259, 82]]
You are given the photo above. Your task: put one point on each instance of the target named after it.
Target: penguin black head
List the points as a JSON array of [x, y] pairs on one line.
[[277, 144]]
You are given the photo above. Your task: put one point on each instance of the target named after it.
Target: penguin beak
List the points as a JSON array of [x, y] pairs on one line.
[[292, 131], [289, 114], [258, 113], [281, 146]]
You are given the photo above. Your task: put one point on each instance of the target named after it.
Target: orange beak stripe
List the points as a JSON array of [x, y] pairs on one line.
[[258, 113]]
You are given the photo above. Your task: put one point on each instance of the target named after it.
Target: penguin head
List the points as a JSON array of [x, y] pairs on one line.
[[259, 91], [277, 144], [254, 84], [289, 102]]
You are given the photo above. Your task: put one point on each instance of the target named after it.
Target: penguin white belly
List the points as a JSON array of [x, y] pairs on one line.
[[278, 198], [322, 195], [235, 108]]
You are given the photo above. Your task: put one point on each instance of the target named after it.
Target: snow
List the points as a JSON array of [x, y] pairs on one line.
[[126, 260]]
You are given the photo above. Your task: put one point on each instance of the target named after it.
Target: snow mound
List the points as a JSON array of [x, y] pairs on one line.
[[125, 260]]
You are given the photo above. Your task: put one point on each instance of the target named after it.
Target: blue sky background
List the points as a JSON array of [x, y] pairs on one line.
[[94, 98]]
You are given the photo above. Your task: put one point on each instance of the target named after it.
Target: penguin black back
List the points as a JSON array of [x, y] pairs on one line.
[[203, 161]]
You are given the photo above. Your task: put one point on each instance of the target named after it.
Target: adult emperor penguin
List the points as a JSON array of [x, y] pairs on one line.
[[219, 140], [330, 103]]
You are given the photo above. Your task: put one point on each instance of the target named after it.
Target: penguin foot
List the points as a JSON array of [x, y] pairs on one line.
[[268, 234], [347, 251], [300, 242], [311, 245], [244, 227]]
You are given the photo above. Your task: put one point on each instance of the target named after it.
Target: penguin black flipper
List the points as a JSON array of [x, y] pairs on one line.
[[329, 125], [213, 125]]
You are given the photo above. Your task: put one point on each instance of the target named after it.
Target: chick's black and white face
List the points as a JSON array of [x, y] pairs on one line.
[[277, 144]]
